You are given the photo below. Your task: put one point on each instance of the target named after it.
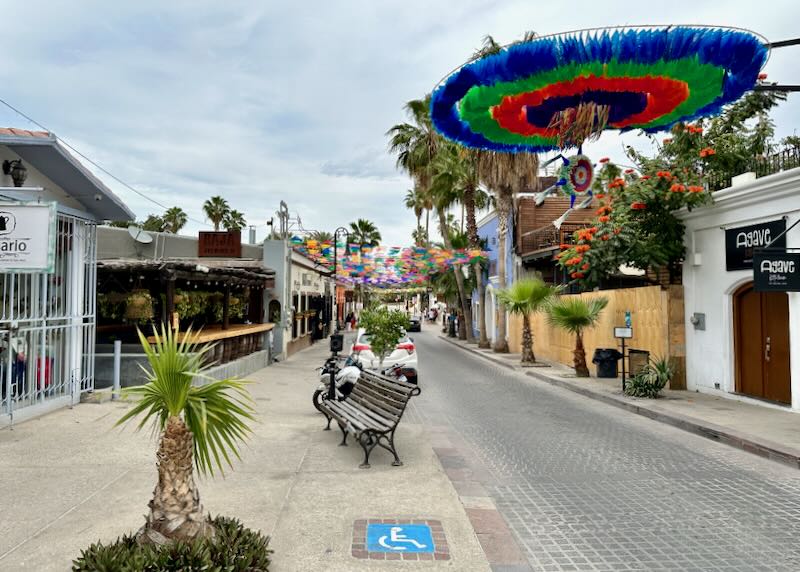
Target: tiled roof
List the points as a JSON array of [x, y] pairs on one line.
[[14, 132]]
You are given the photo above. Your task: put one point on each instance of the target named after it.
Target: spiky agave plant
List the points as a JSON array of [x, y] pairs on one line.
[[200, 426]]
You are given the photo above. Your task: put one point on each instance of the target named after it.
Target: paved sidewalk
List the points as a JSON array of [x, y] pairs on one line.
[[71, 478], [762, 430]]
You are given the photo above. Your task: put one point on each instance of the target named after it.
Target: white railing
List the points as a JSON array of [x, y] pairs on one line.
[[47, 325]]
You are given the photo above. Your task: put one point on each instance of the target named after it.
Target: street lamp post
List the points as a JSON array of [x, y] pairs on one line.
[[336, 233]]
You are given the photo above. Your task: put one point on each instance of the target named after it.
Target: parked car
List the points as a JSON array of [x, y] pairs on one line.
[[404, 353], [415, 324]]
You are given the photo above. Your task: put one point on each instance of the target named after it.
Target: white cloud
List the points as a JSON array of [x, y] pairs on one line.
[[263, 102]]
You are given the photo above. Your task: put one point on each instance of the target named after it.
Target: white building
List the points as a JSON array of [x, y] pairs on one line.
[[47, 314], [742, 343]]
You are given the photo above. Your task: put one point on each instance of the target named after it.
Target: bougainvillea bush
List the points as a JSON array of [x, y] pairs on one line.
[[634, 222]]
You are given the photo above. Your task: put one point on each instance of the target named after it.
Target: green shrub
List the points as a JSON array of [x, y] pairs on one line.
[[651, 379], [234, 549]]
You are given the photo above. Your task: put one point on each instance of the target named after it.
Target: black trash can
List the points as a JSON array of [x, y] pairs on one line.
[[606, 360]]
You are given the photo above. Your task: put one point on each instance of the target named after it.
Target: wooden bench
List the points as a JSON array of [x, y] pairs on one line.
[[371, 413]]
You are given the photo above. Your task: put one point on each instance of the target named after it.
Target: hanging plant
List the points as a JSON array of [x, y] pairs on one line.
[[111, 306], [139, 308]]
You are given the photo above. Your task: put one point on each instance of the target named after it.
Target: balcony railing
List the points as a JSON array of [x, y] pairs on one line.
[[784, 160], [548, 237]]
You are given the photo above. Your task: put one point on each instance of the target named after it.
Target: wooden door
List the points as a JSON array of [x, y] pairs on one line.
[[761, 343]]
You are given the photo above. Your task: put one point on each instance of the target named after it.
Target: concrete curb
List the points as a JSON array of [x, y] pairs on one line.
[[750, 443]]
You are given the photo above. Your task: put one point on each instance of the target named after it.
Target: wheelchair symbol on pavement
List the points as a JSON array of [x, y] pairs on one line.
[[394, 538]]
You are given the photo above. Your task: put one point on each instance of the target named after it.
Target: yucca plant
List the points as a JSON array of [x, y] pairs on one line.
[[200, 426], [574, 314], [523, 298]]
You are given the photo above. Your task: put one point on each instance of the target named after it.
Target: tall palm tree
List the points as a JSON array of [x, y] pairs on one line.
[[505, 174], [234, 220], [364, 232], [413, 201], [204, 424], [523, 298], [420, 151], [216, 208], [153, 223], [174, 219], [574, 314]]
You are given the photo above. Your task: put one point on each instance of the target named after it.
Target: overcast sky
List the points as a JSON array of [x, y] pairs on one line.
[[268, 101]]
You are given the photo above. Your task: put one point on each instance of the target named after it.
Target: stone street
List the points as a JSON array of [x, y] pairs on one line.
[[586, 486]]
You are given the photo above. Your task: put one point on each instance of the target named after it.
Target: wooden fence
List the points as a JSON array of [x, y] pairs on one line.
[[657, 319]]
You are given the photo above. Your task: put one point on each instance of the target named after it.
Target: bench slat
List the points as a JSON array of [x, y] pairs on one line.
[[377, 408], [368, 417], [373, 398], [400, 387]]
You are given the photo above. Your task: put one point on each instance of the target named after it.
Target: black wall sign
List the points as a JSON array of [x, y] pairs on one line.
[[776, 271], [740, 242]]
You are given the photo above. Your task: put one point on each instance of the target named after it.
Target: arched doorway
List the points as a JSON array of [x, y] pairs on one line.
[[761, 344], [274, 311]]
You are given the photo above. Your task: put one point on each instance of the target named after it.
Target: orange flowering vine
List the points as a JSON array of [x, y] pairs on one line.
[[706, 152], [604, 218], [677, 188], [696, 189]]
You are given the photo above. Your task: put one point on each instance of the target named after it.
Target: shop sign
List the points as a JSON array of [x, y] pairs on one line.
[[742, 241], [220, 244], [776, 271], [27, 237]]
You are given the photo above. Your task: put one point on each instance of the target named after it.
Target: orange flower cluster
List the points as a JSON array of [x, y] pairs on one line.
[[617, 230], [628, 171], [585, 266], [577, 275], [638, 206], [604, 218], [677, 188], [581, 248], [587, 234], [565, 246], [664, 175], [696, 189], [606, 237], [605, 209], [575, 260], [707, 152], [645, 177], [693, 129], [600, 196], [616, 183]]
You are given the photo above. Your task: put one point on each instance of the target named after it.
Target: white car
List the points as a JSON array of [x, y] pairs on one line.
[[404, 353]]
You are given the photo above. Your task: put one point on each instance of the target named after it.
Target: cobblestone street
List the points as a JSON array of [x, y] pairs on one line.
[[585, 486]]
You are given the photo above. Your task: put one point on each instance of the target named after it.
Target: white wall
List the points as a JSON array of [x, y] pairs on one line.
[[52, 192], [709, 287]]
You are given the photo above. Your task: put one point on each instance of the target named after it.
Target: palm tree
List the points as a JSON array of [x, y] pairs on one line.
[[364, 232], [216, 209], [234, 220], [153, 223], [204, 424], [523, 298], [174, 220], [574, 314], [321, 236], [414, 202]]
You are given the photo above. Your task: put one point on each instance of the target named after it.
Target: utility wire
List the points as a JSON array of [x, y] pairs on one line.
[[90, 161]]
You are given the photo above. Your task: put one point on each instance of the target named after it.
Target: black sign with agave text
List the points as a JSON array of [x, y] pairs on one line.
[[776, 271], [741, 242]]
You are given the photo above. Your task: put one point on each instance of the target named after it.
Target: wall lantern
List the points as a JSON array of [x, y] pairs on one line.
[[17, 170]]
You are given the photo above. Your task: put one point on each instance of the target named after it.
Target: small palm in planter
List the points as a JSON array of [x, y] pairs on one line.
[[200, 426], [523, 298], [574, 314]]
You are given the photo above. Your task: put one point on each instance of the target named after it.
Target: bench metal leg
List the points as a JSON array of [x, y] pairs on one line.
[[368, 442], [397, 462], [329, 418], [344, 436]]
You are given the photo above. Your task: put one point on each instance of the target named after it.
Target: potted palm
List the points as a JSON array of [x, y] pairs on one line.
[[523, 298], [201, 427], [574, 314]]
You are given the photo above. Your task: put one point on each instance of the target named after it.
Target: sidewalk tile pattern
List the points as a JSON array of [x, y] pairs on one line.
[[359, 546]]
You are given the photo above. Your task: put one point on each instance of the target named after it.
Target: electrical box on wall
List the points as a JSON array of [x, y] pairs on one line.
[[698, 320]]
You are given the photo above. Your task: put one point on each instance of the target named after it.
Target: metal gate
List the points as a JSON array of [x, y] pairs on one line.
[[47, 327]]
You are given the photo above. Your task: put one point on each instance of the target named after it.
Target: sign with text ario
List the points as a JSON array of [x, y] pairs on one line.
[[27, 237], [776, 271], [741, 242]]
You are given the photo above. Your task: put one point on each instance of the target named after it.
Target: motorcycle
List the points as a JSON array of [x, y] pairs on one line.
[[346, 378]]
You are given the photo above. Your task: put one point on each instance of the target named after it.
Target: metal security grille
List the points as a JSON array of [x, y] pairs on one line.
[[47, 326]]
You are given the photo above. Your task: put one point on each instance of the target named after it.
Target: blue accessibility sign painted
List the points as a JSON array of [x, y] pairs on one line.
[[399, 538]]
